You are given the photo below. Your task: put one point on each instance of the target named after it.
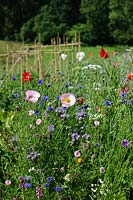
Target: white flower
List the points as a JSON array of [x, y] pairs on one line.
[[80, 55], [31, 169], [96, 123], [63, 56], [32, 96], [90, 66], [67, 99], [67, 177]]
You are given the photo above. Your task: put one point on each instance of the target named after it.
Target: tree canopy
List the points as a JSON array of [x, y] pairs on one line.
[[98, 22]]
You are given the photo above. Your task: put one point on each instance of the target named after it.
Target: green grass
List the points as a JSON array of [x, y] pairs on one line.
[[9, 46]]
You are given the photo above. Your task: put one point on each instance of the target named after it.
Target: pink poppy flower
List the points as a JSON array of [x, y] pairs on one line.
[[77, 154], [8, 182], [32, 96], [67, 99], [38, 121], [31, 112]]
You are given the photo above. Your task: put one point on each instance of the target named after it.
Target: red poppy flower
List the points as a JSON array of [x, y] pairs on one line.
[[26, 76], [103, 53], [130, 76]]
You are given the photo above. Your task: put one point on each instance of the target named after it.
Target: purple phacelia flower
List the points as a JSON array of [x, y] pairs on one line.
[[51, 128], [75, 136], [125, 143], [86, 136], [80, 115]]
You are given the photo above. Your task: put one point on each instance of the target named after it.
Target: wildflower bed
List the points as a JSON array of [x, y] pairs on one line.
[[71, 139]]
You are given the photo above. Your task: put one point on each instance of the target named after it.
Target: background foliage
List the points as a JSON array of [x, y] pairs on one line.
[[99, 21]]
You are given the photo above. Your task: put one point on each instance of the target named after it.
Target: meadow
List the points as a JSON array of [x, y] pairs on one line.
[[70, 139]]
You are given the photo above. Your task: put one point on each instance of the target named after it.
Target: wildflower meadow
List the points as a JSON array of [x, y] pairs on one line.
[[70, 138]]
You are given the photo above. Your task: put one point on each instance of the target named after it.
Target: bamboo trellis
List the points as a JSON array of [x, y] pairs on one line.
[[34, 58]]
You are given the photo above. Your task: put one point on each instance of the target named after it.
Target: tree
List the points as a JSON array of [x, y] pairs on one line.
[[121, 21], [15, 13], [53, 18], [96, 17]]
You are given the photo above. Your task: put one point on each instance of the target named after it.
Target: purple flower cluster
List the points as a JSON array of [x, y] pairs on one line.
[[33, 156], [75, 136], [49, 180], [51, 128], [80, 115]]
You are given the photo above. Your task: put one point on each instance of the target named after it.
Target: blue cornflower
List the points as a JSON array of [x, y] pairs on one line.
[[81, 86], [79, 108], [40, 82], [14, 78], [50, 108], [46, 185], [58, 189], [36, 112], [27, 185], [67, 85], [49, 84], [16, 95], [97, 145], [49, 179], [86, 106], [107, 103], [132, 101], [123, 95], [124, 101], [58, 98], [45, 98]]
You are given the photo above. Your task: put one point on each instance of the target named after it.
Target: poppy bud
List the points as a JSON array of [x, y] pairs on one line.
[[81, 100]]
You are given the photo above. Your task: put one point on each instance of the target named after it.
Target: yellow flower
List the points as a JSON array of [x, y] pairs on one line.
[[79, 160]]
